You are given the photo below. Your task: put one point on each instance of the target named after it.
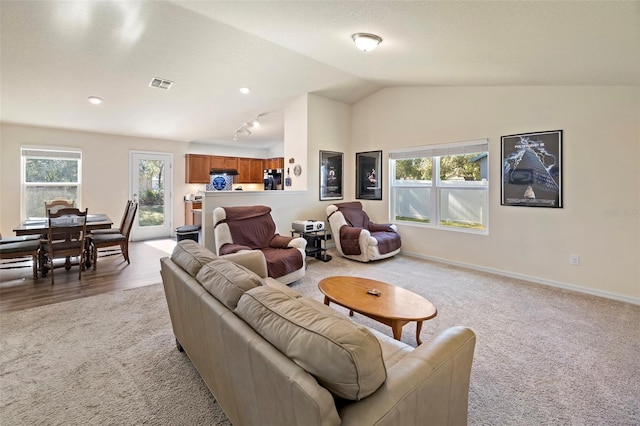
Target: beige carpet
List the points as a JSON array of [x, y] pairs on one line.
[[543, 355]]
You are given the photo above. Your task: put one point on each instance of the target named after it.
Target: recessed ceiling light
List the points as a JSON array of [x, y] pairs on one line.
[[366, 42], [95, 100], [245, 90]]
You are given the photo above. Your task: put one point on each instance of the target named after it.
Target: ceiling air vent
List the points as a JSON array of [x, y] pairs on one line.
[[160, 83]]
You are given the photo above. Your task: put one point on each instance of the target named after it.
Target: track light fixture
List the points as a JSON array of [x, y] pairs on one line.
[[246, 127]]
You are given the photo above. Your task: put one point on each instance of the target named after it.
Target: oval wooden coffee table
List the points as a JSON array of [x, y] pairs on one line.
[[394, 306]]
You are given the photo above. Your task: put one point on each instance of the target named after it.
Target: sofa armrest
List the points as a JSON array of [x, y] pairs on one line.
[[431, 382], [251, 259]]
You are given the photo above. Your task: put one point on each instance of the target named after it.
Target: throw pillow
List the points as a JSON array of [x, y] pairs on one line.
[[344, 357], [227, 281]]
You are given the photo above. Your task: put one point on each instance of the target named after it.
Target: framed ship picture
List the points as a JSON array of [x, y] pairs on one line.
[[532, 169]]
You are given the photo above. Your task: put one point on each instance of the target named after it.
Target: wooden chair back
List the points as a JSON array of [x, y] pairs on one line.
[[127, 220], [56, 205], [66, 236]]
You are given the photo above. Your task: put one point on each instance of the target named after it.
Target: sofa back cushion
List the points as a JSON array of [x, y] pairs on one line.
[[191, 256], [227, 281], [344, 357]]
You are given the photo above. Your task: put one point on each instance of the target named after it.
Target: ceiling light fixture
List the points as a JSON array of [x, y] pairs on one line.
[[365, 41], [245, 128], [95, 100], [245, 90]]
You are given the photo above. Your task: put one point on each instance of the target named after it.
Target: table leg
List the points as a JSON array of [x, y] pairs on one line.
[[326, 300], [418, 330], [396, 327]]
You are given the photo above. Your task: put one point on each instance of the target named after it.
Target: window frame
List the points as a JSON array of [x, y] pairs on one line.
[[48, 153], [436, 186]]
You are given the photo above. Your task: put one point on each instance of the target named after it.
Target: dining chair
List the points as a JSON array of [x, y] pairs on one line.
[[115, 230], [58, 204], [121, 239], [19, 248], [66, 237]]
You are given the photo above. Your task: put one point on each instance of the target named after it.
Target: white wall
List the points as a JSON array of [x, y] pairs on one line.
[[296, 141], [600, 220]]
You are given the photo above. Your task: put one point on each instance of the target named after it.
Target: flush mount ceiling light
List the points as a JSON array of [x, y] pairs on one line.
[[254, 123], [95, 100], [245, 90], [365, 41]]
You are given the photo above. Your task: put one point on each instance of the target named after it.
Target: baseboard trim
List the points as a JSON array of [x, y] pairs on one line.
[[529, 278]]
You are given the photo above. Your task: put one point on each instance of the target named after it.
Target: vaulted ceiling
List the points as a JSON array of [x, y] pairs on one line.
[[55, 54]]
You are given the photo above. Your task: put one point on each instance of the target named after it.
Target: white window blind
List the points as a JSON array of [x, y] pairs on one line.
[[53, 154], [468, 147]]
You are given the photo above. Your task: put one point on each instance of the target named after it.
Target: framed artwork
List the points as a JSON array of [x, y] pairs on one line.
[[331, 175], [532, 169], [369, 175]]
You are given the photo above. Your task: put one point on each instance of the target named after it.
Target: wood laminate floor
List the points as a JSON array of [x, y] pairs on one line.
[[18, 289]]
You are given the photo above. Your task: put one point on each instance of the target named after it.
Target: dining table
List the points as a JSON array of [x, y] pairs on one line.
[[40, 226]]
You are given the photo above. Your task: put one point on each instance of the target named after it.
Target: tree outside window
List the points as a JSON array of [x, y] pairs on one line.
[[49, 175]]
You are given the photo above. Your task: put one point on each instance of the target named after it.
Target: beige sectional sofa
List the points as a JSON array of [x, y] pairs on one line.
[[273, 357]]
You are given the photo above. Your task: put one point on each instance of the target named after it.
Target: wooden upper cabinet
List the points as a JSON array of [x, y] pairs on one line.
[[244, 170], [257, 170], [217, 162], [274, 163], [197, 168], [231, 163], [220, 162], [250, 170]]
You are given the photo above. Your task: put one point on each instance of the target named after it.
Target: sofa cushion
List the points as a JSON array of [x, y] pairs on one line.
[[191, 256], [227, 281], [344, 357]]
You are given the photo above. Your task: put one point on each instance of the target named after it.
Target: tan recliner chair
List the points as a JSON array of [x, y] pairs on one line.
[[357, 237], [252, 228]]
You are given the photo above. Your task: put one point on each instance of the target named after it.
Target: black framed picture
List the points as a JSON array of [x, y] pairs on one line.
[[369, 175], [532, 169], [331, 175]]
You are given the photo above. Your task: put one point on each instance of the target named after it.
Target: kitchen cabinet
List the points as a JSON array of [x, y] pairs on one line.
[[219, 162], [192, 217], [197, 168], [250, 170], [274, 163]]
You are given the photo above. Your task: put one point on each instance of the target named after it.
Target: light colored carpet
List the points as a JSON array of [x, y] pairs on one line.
[[543, 355]]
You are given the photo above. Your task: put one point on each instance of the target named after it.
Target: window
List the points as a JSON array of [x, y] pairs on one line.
[[48, 175], [444, 186]]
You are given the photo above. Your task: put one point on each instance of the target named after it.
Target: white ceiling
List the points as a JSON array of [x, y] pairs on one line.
[[54, 54]]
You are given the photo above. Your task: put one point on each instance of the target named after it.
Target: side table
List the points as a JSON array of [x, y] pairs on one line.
[[316, 243]]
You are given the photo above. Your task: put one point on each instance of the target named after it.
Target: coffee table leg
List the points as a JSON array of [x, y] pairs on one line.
[[418, 330], [326, 300], [396, 328]]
